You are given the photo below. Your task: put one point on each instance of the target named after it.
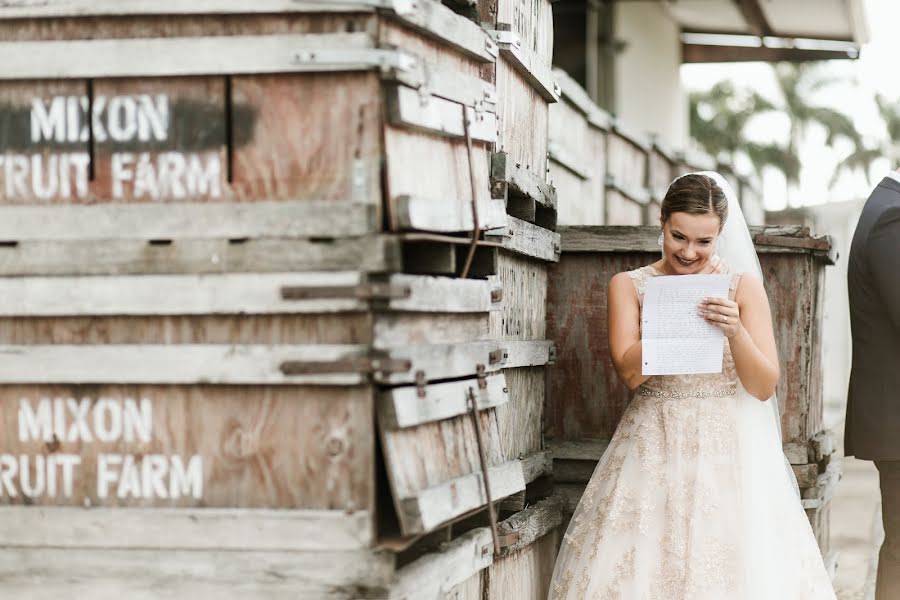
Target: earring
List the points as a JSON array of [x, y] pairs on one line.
[[660, 240]]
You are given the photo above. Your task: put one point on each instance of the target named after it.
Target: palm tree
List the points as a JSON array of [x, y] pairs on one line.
[[719, 118], [890, 114]]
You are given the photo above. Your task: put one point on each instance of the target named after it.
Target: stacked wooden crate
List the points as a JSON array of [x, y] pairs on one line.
[[577, 152], [662, 168], [253, 348], [585, 399]]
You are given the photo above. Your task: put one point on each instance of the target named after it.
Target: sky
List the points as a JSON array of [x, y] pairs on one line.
[[877, 70]]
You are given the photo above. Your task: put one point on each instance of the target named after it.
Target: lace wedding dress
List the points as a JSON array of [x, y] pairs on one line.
[[691, 501]]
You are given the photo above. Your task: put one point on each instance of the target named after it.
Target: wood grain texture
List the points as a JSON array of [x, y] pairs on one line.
[[199, 220], [132, 257], [523, 309], [336, 151], [533, 523], [525, 573], [523, 118], [404, 329], [622, 210], [47, 573], [520, 420], [410, 154], [533, 21], [625, 161], [261, 447], [430, 576], [186, 529]]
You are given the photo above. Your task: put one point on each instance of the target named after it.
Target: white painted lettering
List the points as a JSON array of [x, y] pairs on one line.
[[186, 481], [30, 488], [121, 172], [79, 429], [107, 411], [152, 117], [68, 463], [9, 467], [121, 118], [35, 425], [106, 474], [154, 468], [202, 180], [129, 480], [48, 123], [137, 420]]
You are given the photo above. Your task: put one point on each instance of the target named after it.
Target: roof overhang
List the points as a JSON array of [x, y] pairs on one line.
[[769, 30]]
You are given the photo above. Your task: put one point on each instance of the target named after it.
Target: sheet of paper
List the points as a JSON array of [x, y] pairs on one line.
[[676, 339]]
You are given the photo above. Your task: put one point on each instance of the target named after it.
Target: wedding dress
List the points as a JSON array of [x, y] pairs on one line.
[[692, 500]]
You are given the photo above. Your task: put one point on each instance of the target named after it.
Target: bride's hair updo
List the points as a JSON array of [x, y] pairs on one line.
[[697, 195]]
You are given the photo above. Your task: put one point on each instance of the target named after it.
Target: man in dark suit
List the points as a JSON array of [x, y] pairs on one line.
[[873, 404]]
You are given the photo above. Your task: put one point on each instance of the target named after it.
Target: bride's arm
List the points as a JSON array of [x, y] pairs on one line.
[[624, 316], [753, 343]]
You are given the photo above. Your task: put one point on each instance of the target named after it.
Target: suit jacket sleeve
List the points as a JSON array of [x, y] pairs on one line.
[[884, 261]]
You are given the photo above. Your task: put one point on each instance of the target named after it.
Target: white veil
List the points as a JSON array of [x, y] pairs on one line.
[[765, 487]]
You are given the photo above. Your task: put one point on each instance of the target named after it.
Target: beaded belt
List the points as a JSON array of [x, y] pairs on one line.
[[688, 394]]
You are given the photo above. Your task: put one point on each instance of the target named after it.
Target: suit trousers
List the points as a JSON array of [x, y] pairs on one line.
[[887, 586]]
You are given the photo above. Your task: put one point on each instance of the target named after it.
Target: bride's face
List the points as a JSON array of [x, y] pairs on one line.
[[689, 242]]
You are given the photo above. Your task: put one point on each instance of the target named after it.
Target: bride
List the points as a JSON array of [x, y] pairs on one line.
[[694, 499]]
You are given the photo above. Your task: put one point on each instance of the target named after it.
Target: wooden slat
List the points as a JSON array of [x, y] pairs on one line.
[[583, 449], [508, 178], [432, 575], [434, 214], [191, 220], [528, 353], [404, 407], [439, 22], [578, 97], [438, 504], [444, 294], [533, 523], [537, 464], [85, 8], [122, 257], [558, 154], [257, 293], [154, 57], [430, 114], [186, 529], [528, 239], [442, 361], [179, 364], [110, 574], [444, 83], [607, 238], [640, 195], [527, 63]]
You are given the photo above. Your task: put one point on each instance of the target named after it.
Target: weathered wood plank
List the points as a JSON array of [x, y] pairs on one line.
[[328, 364], [395, 329], [523, 309], [216, 294], [508, 178], [189, 220], [531, 524], [797, 453], [578, 97], [526, 573], [429, 114], [520, 420], [523, 116], [527, 63], [434, 214], [438, 504], [561, 156], [439, 22], [528, 239], [277, 53], [405, 407], [582, 449], [47, 573], [537, 464], [444, 82], [429, 577], [125, 257], [85, 8], [531, 353], [186, 529], [531, 22], [444, 294], [445, 361], [202, 446]]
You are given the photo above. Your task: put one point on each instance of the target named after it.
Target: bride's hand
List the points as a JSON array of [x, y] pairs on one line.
[[722, 313]]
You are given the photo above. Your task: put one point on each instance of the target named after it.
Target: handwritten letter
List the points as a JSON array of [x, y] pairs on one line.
[[676, 339]]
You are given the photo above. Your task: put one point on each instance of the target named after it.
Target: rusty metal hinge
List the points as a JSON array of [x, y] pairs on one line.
[[362, 291], [420, 383], [482, 376], [498, 356]]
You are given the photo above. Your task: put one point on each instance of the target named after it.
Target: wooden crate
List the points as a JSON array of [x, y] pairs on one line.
[[577, 153], [582, 403], [364, 88], [466, 567]]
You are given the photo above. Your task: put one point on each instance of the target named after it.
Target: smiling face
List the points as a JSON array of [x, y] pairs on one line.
[[689, 242]]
